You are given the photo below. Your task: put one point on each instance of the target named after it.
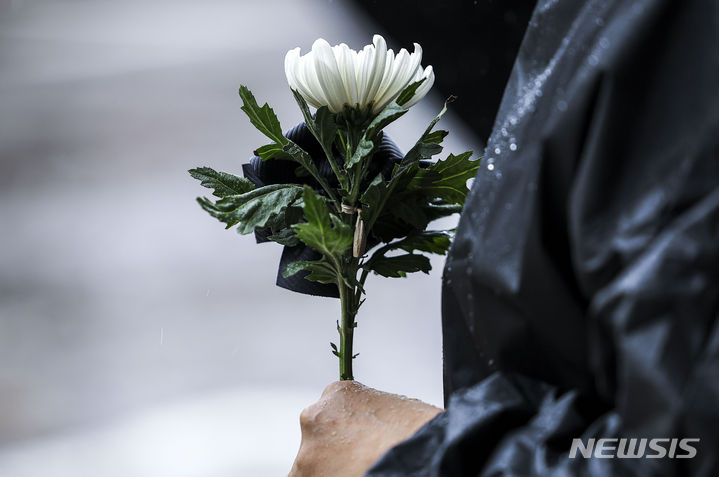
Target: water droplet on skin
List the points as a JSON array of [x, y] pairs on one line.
[[490, 160], [498, 174], [491, 362], [593, 60], [562, 105], [497, 150], [604, 42], [504, 132], [449, 269], [490, 167], [539, 93], [599, 21], [513, 147]]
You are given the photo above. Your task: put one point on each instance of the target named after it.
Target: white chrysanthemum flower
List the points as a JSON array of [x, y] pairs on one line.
[[335, 76]]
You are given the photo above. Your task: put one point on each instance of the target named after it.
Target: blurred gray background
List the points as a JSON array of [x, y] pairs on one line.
[[137, 336]]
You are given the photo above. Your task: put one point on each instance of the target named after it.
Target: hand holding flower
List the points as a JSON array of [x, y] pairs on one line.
[[352, 426]]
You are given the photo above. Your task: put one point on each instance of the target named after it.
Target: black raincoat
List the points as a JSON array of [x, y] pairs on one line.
[[581, 294]]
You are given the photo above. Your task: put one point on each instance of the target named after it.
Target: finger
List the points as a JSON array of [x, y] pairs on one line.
[[333, 387], [310, 416]]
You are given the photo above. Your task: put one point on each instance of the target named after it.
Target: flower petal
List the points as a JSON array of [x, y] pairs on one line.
[[338, 76], [307, 81], [346, 63], [291, 59], [295, 79], [423, 88], [378, 68], [328, 75], [394, 81], [407, 71], [365, 60]]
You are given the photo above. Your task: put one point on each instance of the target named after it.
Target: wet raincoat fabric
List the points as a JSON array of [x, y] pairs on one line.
[[581, 294]]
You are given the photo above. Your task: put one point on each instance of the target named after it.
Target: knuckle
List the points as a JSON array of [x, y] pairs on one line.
[[306, 417], [309, 416], [333, 388]]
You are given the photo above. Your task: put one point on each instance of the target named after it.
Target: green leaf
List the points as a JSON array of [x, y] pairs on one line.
[[263, 118], [429, 143], [299, 155], [323, 127], [389, 113], [431, 241], [272, 151], [371, 137], [425, 151], [435, 137], [265, 121], [399, 266], [303, 106], [364, 149], [324, 232], [279, 227], [293, 214], [254, 209], [420, 213], [373, 199], [416, 196], [395, 222], [446, 179], [223, 184], [378, 194], [285, 236], [410, 209], [408, 92], [435, 211], [320, 271]]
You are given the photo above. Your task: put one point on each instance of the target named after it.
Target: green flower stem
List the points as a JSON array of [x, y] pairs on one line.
[[346, 329], [330, 193], [354, 194], [339, 173]]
